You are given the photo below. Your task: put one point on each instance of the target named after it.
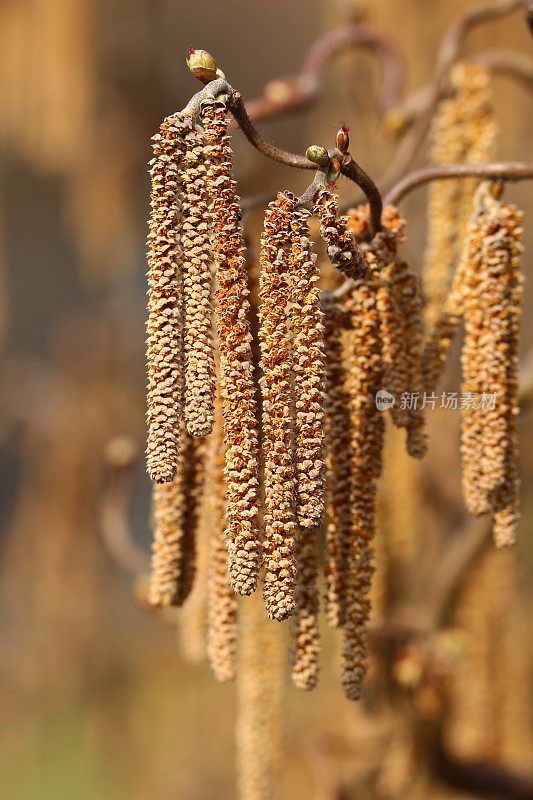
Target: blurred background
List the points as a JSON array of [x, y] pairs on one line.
[[99, 699]]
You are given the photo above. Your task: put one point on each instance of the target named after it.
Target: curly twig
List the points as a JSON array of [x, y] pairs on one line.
[[293, 93], [504, 170]]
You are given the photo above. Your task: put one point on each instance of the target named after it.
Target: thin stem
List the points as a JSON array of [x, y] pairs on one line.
[[238, 109], [505, 170], [354, 172], [349, 167]]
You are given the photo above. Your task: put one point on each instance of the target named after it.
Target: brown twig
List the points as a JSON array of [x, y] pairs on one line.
[[504, 170], [508, 62], [349, 167]]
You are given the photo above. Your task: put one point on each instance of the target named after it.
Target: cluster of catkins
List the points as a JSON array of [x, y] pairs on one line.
[[486, 295], [463, 131], [288, 441]]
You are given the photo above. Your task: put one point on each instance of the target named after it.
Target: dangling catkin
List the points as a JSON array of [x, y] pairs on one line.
[[472, 360], [395, 348], [406, 292], [304, 631], [473, 84], [221, 600], [196, 248], [260, 692], [501, 297], [382, 248], [463, 131], [342, 249], [164, 327], [364, 380], [490, 369], [308, 375], [438, 343], [338, 428], [175, 517], [236, 374], [276, 364]]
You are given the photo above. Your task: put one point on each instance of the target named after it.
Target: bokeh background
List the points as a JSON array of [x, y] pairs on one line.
[[99, 700]]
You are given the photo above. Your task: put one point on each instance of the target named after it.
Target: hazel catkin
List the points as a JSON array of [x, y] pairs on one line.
[[338, 430], [308, 375], [492, 322], [175, 516], [341, 247], [198, 313], [365, 378], [221, 599], [304, 631], [276, 364], [165, 303], [236, 372]]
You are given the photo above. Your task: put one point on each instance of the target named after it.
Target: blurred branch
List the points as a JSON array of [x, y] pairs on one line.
[[482, 776], [510, 62], [505, 170], [295, 92], [413, 118], [529, 14], [114, 527]]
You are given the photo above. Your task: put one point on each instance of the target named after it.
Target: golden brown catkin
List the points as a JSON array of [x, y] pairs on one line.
[[341, 247], [276, 364], [381, 249], [406, 292], [164, 327], [463, 131], [304, 630], [175, 517], [472, 361], [439, 340], [260, 703], [490, 369], [221, 600], [196, 248], [473, 84], [364, 380], [236, 373], [338, 429], [308, 375], [395, 352], [501, 297]]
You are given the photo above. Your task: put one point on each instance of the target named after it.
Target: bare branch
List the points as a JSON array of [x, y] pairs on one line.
[[349, 167], [295, 92], [238, 109], [505, 170], [453, 39]]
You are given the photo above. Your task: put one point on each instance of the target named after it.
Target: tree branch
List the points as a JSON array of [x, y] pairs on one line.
[[295, 92], [238, 109], [349, 167], [506, 170]]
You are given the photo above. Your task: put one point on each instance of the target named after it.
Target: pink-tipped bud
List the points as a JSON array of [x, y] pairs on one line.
[[334, 171], [318, 155], [202, 65], [343, 140]]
